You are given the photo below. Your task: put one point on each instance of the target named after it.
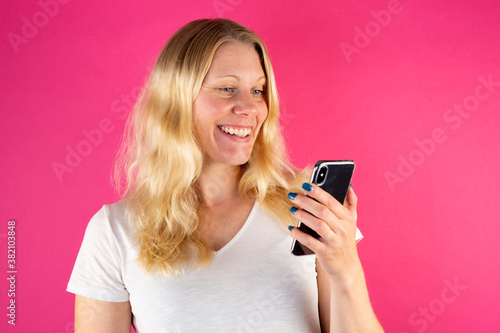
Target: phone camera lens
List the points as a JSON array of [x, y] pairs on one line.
[[320, 179]]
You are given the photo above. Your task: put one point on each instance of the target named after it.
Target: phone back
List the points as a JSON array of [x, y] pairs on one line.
[[337, 179], [334, 177]]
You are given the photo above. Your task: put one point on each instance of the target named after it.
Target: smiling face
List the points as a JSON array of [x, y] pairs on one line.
[[231, 105]]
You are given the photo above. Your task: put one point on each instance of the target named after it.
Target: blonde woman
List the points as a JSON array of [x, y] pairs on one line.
[[199, 241]]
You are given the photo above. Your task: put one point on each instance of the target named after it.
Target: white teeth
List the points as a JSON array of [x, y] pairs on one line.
[[241, 132]]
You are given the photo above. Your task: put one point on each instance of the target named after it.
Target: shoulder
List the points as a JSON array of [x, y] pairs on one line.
[[99, 267], [111, 221], [116, 214]]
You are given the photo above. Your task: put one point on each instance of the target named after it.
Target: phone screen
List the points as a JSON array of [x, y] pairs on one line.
[[334, 177]]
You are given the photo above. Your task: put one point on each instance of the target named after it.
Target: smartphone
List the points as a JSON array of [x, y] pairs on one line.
[[334, 177]]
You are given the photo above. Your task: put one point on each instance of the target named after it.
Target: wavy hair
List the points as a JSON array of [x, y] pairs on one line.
[[159, 160]]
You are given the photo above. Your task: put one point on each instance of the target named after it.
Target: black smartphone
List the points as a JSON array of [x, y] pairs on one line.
[[334, 177]]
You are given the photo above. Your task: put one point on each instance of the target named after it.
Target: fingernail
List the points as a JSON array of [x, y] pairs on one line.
[[290, 227], [308, 187], [351, 186], [292, 195], [293, 210]]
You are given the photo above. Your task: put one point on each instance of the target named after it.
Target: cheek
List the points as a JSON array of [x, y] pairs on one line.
[[201, 122], [203, 112], [209, 110], [197, 121]]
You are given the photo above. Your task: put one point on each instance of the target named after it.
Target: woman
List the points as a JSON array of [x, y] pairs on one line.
[[199, 241]]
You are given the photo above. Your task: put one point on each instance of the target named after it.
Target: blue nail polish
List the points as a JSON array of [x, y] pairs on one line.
[[292, 195], [308, 187], [290, 227], [293, 210], [351, 186]]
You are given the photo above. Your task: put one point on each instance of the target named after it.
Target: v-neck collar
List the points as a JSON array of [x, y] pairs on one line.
[[241, 231]]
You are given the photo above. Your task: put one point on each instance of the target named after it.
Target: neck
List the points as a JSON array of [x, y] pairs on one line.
[[219, 183]]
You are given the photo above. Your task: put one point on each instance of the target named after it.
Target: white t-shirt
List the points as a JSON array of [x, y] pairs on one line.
[[253, 284]]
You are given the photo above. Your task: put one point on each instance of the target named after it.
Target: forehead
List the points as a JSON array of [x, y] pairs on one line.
[[233, 58]]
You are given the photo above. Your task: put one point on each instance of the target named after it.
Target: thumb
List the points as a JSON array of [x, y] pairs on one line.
[[351, 202]]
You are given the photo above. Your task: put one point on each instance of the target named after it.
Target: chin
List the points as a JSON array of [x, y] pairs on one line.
[[230, 158], [238, 161]]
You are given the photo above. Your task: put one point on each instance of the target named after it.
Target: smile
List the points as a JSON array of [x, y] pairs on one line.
[[239, 132]]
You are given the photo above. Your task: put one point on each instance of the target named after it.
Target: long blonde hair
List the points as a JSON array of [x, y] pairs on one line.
[[160, 160]]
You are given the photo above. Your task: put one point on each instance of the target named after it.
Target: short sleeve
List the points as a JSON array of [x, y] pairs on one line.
[[97, 272]]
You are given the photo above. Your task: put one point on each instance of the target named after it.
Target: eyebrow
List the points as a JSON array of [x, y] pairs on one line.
[[237, 78]]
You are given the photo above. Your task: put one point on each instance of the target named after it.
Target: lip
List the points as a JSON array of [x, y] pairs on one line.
[[235, 126]]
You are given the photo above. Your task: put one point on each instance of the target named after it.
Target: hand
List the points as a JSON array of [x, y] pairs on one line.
[[335, 224]]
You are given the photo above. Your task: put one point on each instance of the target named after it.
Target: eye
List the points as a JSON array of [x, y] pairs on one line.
[[258, 92], [227, 91]]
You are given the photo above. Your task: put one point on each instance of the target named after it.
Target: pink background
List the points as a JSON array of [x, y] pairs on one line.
[[378, 102]]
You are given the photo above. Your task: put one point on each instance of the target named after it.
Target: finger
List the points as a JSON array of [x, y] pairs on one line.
[[351, 202], [326, 230], [316, 245], [326, 199], [311, 206]]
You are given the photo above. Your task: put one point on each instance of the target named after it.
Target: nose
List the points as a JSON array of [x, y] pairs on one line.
[[245, 104]]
